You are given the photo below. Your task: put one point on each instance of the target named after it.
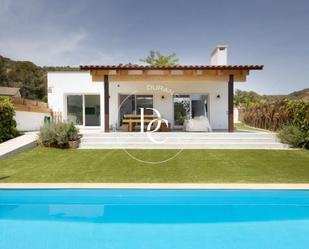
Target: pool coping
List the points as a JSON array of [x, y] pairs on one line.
[[262, 186]]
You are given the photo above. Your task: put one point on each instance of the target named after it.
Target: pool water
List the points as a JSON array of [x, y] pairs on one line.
[[152, 219]]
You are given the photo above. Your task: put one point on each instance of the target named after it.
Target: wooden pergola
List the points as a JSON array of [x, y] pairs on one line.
[[173, 73]]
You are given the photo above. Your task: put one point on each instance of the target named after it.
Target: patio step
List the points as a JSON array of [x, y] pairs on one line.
[[186, 146], [181, 140], [178, 140], [179, 135]]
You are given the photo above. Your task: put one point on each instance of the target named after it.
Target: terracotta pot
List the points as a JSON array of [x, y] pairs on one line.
[[74, 144]]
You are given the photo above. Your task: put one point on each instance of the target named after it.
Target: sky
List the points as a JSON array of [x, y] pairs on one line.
[[274, 33]]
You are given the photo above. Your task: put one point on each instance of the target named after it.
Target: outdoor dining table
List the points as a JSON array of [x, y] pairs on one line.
[[134, 119]]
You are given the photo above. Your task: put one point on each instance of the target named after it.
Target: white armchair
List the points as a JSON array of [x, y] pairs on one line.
[[197, 124]]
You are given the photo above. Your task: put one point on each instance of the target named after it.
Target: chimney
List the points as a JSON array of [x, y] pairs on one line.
[[219, 55]]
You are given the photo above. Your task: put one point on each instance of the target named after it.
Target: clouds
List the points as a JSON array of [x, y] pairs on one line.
[[55, 33], [74, 32], [46, 50], [29, 32]]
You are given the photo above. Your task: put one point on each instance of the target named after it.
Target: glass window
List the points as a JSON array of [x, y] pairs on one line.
[[75, 109], [131, 104], [92, 110], [144, 101]]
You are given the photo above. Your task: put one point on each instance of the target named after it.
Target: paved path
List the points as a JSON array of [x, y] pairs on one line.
[[18, 144], [265, 186]]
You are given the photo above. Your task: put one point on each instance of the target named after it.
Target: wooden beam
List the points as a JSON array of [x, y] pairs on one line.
[[135, 72], [112, 72], [231, 103], [188, 72], [166, 78], [176, 72], [188, 75], [106, 103], [156, 72]]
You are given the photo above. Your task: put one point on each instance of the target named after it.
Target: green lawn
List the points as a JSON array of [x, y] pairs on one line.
[[55, 165], [242, 126]]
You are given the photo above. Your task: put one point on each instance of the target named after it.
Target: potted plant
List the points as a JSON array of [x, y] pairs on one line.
[[59, 135], [73, 136]]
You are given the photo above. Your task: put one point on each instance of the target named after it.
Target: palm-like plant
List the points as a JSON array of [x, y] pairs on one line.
[[155, 58]]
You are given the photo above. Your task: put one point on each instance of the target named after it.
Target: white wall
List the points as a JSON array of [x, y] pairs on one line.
[[218, 107], [29, 121], [61, 84]]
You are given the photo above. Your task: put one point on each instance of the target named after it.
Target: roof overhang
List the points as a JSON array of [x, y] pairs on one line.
[[179, 73]]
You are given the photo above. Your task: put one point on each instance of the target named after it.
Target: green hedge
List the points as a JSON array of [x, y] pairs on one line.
[[277, 116], [7, 121], [299, 117]]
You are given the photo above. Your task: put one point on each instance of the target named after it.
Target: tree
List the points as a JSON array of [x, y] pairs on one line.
[[157, 59], [7, 121], [30, 78]]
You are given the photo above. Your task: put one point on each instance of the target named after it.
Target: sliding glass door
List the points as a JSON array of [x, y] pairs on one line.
[[84, 110], [199, 105], [75, 109], [189, 106], [182, 107], [131, 104]]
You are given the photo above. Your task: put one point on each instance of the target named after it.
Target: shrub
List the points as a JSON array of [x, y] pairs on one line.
[[299, 116], [73, 132], [58, 135], [45, 99], [61, 131], [7, 121], [298, 111], [47, 136], [292, 135]]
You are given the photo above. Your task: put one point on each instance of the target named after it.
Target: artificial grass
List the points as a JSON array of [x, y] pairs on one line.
[[195, 166], [242, 126]]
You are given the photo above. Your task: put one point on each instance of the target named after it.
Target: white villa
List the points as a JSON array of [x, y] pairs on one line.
[[106, 96]]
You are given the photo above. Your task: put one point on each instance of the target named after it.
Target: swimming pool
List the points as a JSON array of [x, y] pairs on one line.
[[122, 219]]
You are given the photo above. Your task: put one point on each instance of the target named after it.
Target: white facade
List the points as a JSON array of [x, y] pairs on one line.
[[178, 92], [62, 84], [218, 106], [213, 93]]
